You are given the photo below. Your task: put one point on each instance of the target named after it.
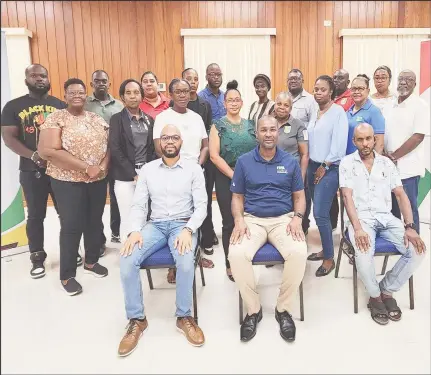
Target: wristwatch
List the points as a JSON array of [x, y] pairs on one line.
[[189, 230], [298, 214], [324, 165], [410, 225]]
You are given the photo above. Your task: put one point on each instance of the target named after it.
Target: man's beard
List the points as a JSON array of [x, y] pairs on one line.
[[170, 155], [403, 92], [38, 90]]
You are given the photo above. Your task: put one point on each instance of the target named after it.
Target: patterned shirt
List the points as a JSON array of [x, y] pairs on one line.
[[371, 191], [235, 140], [85, 137]]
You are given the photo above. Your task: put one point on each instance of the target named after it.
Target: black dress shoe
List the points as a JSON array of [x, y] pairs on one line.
[[215, 240], [249, 326], [287, 325]]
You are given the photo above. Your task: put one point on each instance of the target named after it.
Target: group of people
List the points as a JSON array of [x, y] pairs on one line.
[[162, 157]]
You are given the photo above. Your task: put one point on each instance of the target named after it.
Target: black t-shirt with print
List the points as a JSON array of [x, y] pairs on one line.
[[28, 114]]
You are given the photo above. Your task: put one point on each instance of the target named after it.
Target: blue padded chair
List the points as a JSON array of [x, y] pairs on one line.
[[163, 259], [268, 255], [383, 248]]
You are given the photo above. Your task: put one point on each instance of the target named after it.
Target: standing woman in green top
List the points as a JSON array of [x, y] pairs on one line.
[[230, 137]]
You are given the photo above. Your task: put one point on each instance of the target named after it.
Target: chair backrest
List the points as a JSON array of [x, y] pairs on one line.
[[343, 229]]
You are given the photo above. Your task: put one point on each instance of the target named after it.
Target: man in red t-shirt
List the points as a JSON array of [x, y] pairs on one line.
[[343, 95]]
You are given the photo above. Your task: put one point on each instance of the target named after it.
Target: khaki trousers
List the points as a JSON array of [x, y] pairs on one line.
[[272, 230]]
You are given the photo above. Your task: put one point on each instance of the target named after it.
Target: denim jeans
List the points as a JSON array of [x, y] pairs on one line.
[[393, 231], [411, 187], [157, 235], [323, 195]]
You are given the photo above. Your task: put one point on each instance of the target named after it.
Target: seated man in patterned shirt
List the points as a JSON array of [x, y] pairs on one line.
[[176, 187], [366, 181]]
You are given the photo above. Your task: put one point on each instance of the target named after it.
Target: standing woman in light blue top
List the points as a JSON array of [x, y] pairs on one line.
[[327, 132], [364, 111]]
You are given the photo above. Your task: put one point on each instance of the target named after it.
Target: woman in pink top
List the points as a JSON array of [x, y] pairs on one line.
[[153, 102]]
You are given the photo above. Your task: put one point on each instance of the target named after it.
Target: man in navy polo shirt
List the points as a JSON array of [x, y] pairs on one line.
[[268, 203]]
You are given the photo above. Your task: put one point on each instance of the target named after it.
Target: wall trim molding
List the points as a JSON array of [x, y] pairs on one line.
[[230, 31], [17, 31], [384, 31]]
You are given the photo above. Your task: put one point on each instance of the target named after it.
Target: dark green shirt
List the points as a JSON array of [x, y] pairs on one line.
[[235, 140], [105, 109]]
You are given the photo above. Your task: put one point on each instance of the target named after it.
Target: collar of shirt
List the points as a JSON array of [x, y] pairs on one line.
[[179, 163], [162, 97], [406, 102], [302, 94], [110, 100], [366, 106], [131, 116], [288, 122], [357, 157], [209, 92], [258, 157], [345, 94]]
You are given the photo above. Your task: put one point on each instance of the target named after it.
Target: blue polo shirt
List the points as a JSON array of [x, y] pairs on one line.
[[216, 102], [267, 185], [370, 114]]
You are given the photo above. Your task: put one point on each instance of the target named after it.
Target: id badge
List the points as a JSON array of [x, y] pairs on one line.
[[287, 129]]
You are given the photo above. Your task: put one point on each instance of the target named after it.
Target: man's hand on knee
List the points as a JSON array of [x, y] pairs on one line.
[[183, 243], [362, 240], [413, 237], [294, 228], [133, 239], [239, 231]]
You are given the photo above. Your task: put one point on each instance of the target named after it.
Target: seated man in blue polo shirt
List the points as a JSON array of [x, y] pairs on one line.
[[268, 203]]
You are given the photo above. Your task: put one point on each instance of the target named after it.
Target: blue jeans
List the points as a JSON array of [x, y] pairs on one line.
[[157, 235], [392, 231], [411, 187], [322, 195]]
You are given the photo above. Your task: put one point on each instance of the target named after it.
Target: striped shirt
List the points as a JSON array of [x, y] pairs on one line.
[[257, 110]]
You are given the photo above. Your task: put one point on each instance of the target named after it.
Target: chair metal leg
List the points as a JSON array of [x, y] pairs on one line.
[[202, 274], [355, 288], [195, 302], [150, 279], [340, 253], [412, 297], [241, 312], [301, 301], [385, 263]]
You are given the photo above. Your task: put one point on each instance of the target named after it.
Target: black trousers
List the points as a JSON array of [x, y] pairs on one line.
[[207, 227], [114, 212], [80, 206], [224, 200], [36, 191]]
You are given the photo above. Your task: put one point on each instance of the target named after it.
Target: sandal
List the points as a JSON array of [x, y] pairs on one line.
[[394, 312], [378, 312], [206, 263], [172, 274], [315, 256]]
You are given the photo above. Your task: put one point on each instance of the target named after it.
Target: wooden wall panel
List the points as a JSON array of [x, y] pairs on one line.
[[73, 38]]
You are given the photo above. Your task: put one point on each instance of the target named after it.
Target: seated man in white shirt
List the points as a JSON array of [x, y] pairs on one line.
[[366, 181], [193, 133], [178, 196], [407, 124]]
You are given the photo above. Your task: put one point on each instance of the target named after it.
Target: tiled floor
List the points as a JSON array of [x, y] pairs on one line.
[[45, 331]]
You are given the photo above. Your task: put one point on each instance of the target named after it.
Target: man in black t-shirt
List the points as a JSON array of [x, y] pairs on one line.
[[20, 121]]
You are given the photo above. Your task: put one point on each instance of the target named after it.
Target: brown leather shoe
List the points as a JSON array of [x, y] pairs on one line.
[[135, 329], [188, 327]]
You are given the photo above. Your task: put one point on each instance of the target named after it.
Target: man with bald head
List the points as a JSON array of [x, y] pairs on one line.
[[268, 204], [366, 181], [20, 122], [343, 95], [407, 124], [176, 187]]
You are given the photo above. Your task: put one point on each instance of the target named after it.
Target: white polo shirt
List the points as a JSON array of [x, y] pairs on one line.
[[192, 130], [402, 121]]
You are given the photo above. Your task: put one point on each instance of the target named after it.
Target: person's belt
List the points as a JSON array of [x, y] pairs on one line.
[[183, 219], [139, 165]]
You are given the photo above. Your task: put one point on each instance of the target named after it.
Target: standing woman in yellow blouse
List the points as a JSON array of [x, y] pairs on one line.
[[75, 144]]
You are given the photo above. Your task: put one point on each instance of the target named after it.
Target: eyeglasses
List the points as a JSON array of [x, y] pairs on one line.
[[294, 79], [167, 138], [215, 75], [358, 89], [182, 92], [406, 79], [231, 101], [381, 78], [76, 93]]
